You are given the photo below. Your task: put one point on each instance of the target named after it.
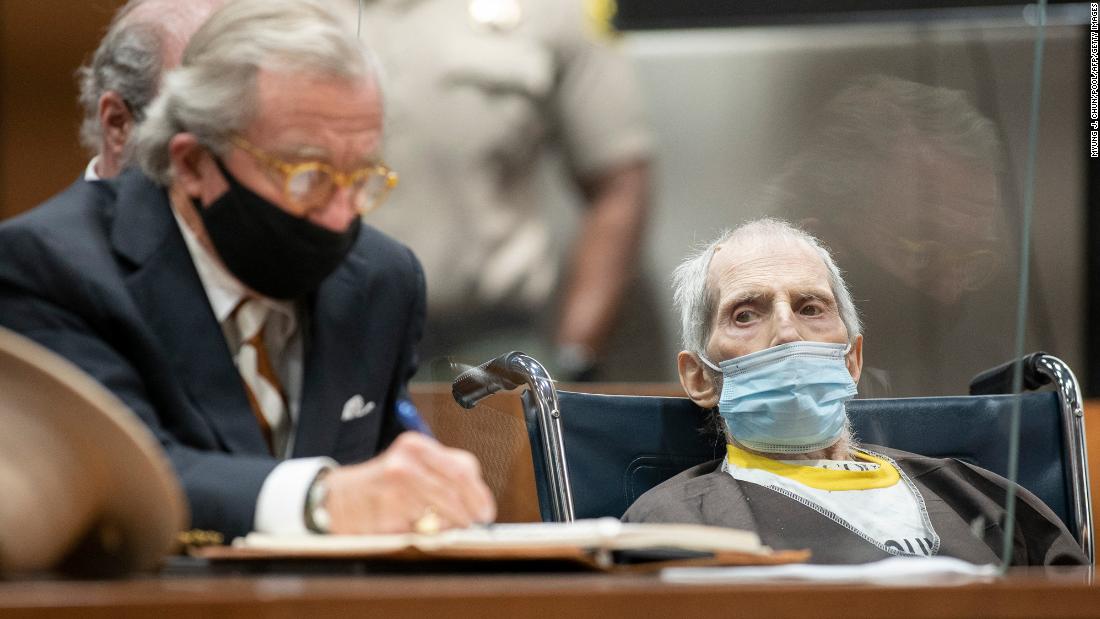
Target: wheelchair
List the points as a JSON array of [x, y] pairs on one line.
[[594, 454]]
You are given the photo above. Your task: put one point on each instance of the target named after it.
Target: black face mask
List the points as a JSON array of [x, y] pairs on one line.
[[271, 251]]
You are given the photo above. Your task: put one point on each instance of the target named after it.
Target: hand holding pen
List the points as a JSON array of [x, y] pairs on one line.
[[414, 483], [410, 418]]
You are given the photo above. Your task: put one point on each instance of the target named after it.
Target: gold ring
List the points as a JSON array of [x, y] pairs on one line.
[[429, 523]]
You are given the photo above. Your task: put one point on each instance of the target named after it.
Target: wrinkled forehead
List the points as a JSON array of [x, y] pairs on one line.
[[763, 262], [336, 116]]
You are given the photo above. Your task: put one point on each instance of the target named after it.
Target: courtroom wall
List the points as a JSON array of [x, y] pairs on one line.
[[42, 42]]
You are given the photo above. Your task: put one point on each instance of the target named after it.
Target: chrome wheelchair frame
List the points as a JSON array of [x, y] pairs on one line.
[[542, 408]]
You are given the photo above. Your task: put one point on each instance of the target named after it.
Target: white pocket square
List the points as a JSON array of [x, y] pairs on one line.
[[355, 408]]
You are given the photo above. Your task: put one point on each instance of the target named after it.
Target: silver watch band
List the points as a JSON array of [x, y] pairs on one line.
[[316, 514]]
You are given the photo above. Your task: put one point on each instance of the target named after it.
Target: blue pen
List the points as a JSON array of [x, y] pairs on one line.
[[410, 418]]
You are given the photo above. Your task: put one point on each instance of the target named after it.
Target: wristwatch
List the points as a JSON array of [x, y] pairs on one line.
[[316, 514]]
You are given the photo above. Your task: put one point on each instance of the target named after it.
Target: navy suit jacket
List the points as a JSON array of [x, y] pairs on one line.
[[101, 274]]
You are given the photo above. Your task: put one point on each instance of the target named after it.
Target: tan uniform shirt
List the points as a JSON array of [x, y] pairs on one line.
[[469, 110]]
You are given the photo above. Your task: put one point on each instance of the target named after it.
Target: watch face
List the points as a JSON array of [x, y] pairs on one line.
[[317, 516], [321, 520]]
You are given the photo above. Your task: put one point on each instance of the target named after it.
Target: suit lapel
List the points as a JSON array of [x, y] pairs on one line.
[[334, 367], [168, 293]]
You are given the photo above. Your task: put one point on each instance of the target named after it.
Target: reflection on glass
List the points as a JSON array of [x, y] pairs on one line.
[[901, 180]]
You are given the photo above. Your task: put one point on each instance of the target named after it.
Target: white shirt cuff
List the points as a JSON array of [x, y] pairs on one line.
[[281, 505], [89, 172]]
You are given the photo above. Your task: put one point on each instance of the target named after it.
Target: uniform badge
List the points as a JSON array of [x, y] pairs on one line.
[[498, 15]]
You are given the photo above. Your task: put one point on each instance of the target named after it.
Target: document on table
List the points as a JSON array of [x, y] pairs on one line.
[[895, 570], [603, 533], [599, 542]]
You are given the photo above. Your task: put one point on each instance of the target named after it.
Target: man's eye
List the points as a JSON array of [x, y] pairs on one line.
[[811, 310], [744, 316]]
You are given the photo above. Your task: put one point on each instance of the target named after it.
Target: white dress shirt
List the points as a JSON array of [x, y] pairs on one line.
[[280, 508], [89, 172]]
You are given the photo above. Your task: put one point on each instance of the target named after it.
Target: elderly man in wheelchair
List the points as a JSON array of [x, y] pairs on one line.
[[773, 343]]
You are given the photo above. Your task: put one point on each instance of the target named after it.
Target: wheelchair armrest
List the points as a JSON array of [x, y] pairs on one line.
[[505, 373], [999, 379], [499, 374]]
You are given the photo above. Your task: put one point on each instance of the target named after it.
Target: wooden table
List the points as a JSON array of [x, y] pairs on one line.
[[1024, 594]]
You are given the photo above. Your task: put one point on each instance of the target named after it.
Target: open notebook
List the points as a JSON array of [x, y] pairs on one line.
[[600, 543]]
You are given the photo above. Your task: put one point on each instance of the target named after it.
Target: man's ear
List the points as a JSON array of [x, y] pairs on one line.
[[695, 378], [188, 167], [854, 358], [116, 123]]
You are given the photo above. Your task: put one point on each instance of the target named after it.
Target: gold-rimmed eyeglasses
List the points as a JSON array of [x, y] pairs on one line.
[[309, 185]]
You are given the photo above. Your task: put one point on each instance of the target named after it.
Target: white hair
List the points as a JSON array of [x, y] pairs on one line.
[[213, 93], [697, 303]]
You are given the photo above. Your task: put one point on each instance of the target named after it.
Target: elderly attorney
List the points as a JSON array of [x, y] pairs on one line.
[[773, 341], [230, 295]]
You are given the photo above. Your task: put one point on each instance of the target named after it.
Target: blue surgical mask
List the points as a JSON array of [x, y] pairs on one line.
[[786, 399]]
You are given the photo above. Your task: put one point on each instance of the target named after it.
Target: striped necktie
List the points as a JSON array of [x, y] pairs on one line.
[[265, 392]]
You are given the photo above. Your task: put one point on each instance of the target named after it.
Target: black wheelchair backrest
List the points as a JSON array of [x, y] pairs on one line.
[[595, 454], [617, 447]]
